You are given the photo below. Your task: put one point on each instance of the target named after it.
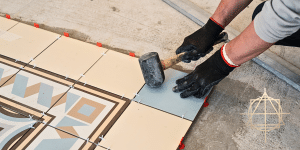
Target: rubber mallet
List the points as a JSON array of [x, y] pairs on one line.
[[153, 68]]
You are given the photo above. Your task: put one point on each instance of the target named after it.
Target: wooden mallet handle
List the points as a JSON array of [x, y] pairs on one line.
[[168, 63]]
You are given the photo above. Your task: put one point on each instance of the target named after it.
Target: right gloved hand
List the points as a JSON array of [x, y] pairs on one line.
[[200, 42], [204, 77]]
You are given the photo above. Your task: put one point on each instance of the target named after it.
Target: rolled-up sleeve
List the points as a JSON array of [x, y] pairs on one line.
[[277, 20]]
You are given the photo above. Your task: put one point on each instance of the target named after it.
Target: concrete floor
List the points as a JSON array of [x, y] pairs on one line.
[[151, 25]]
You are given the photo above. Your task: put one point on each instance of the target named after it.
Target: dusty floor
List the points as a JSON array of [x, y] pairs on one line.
[[151, 25]]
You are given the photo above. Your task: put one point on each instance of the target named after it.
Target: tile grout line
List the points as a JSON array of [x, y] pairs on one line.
[[58, 100], [46, 47], [10, 78], [104, 53], [31, 59], [13, 26], [21, 137], [87, 140], [9, 28], [164, 111]]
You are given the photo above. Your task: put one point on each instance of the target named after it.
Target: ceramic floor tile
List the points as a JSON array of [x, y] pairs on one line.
[[6, 72], [54, 139], [84, 111], [23, 42], [69, 57], [33, 90], [12, 124], [6, 24], [165, 99], [121, 104], [18, 124], [80, 113], [149, 129], [117, 73]]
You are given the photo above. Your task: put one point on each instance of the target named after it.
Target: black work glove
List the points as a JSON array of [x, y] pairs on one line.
[[200, 42], [204, 77]]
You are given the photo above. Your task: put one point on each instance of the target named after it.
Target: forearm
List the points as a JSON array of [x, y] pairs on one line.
[[246, 46], [228, 10]]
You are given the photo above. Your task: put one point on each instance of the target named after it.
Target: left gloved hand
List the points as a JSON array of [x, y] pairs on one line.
[[200, 43], [204, 77]]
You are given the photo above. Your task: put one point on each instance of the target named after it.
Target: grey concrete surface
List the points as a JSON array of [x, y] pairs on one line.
[[151, 25], [221, 125]]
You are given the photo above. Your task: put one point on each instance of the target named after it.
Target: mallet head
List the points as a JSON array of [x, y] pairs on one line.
[[152, 69]]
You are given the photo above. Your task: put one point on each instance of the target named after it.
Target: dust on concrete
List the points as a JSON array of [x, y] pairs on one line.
[[115, 9], [221, 125], [73, 33]]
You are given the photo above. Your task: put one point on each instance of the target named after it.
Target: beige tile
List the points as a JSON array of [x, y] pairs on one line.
[[117, 73], [5, 24], [69, 57], [100, 148], [149, 129], [24, 42]]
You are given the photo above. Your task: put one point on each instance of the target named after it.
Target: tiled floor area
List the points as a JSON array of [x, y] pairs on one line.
[[60, 93]]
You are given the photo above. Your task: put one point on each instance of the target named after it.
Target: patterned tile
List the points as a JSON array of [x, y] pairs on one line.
[[23, 42], [33, 90], [69, 57], [163, 98], [18, 124], [98, 96], [80, 113], [12, 124], [117, 73], [149, 129], [54, 139], [6, 72]]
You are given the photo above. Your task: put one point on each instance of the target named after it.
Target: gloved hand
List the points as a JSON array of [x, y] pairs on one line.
[[200, 42], [204, 77]]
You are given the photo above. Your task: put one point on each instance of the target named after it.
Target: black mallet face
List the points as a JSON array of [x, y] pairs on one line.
[[152, 69]]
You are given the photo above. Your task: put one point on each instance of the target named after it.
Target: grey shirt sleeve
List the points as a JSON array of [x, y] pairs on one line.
[[277, 20]]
